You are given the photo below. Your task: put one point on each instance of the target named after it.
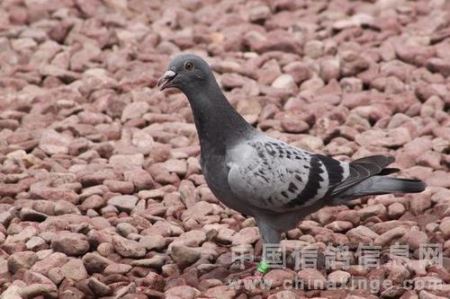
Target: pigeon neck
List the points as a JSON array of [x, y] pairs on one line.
[[218, 123]]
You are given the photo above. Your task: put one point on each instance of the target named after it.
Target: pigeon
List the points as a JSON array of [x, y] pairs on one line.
[[263, 177]]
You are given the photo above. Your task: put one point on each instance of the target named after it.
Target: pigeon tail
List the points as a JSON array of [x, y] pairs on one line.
[[400, 185], [377, 185], [368, 177]]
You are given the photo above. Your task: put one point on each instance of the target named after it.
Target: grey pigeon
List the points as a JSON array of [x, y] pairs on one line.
[[262, 177]]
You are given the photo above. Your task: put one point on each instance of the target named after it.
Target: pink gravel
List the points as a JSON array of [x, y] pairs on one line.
[[101, 193]]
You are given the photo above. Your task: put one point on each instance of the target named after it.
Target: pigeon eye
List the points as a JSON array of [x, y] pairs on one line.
[[188, 66]]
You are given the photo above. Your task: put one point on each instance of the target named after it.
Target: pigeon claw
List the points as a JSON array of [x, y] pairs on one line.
[[166, 79]]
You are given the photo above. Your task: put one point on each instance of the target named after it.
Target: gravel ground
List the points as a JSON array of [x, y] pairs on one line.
[[101, 193]]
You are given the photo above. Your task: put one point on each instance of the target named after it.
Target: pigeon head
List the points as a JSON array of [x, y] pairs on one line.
[[216, 120], [186, 72]]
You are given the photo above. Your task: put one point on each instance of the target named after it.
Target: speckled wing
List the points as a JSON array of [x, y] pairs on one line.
[[270, 174]]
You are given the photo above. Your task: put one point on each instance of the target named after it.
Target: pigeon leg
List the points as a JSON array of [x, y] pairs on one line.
[[271, 240], [244, 273]]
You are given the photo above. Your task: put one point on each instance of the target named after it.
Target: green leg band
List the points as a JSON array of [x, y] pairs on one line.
[[263, 267]]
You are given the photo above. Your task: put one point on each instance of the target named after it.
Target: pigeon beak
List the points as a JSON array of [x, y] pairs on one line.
[[165, 80]]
